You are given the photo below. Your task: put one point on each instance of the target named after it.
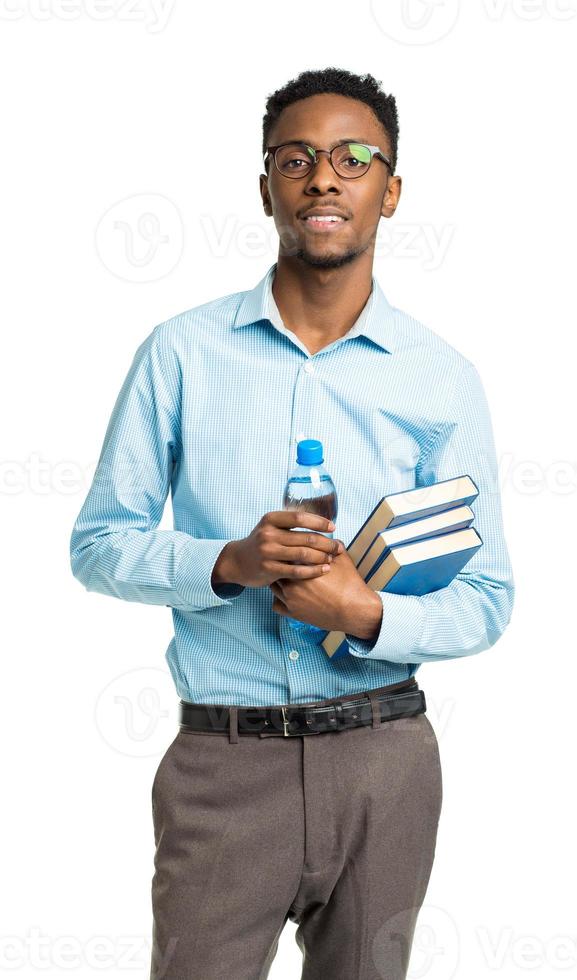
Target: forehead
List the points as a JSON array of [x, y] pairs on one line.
[[327, 118]]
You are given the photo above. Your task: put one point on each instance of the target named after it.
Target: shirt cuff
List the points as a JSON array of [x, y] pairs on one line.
[[194, 573], [400, 632]]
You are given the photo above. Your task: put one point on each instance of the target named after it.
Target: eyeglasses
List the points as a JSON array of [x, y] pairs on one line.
[[348, 160]]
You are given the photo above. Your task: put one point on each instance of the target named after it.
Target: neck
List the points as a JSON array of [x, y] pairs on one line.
[[321, 305]]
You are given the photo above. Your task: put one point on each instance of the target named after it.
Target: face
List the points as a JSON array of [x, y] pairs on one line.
[[321, 121]]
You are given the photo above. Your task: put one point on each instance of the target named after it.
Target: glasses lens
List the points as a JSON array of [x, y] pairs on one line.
[[295, 159], [351, 159]]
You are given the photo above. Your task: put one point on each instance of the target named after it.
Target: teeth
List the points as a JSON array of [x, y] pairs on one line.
[[328, 217]]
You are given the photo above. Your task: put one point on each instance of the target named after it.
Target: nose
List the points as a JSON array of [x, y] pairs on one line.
[[322, 177]]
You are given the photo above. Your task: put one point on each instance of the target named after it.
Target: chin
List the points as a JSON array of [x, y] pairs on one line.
[[325, 261]]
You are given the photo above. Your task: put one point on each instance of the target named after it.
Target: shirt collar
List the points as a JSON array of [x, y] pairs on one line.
[[376, 320]]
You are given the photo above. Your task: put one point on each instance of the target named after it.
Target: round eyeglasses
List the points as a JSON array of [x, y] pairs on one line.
[[348, 159]]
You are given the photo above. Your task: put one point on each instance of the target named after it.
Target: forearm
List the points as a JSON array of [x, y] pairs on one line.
[[465, 618], [157, 567], [225, 580], [225, 570], [364, 616]]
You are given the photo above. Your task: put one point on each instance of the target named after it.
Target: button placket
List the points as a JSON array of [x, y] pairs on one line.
[[300, 404]]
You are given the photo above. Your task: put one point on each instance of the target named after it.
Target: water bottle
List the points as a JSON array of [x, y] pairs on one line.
[[309, 487]]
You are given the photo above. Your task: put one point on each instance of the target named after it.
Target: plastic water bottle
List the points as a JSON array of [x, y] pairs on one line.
[[309, 487]]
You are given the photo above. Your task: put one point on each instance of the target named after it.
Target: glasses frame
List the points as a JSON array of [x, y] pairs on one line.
[[374, 150]]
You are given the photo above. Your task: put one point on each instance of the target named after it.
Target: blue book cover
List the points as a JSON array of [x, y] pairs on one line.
[[451, 520], [413, 568], [405, 506]]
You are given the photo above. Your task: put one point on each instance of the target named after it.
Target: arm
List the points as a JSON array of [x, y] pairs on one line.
[[115, 547], [471, 613]]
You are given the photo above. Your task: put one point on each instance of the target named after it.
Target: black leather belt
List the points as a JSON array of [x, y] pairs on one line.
[[365, 708]]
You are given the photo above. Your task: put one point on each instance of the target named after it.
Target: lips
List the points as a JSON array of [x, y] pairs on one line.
[[323, 211], [323, 221]]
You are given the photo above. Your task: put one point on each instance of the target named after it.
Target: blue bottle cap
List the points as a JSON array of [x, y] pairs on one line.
[[310, 452]]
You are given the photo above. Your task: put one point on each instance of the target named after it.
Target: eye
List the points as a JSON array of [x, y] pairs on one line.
[[355, 156], [296, 160]]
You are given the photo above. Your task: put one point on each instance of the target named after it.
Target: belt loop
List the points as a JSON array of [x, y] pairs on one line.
[[233, 723], [375, 708]]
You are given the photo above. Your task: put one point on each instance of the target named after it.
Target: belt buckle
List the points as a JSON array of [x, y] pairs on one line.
[[306, 712], [285, 720]]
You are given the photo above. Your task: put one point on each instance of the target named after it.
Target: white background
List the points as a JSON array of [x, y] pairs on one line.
[[106, 114]]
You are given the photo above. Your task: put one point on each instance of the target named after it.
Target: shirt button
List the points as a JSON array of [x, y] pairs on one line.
[[294, 654], [309, 368]]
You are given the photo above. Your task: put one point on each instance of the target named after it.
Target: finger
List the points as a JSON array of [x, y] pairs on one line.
[[311, 540], [300, 555], [282, 570], [300, 518]]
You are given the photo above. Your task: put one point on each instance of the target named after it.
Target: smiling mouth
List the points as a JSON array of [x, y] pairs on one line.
[[318, 223]]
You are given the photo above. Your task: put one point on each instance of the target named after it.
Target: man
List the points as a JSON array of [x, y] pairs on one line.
[[321, 804]]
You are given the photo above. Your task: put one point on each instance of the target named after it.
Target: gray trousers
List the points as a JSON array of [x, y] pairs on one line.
[[335, 831]]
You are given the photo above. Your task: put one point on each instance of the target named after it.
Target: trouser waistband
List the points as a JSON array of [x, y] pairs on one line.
[[372, 707]]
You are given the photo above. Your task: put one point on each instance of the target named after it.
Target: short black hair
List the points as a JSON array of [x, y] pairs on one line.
[[336, 81]]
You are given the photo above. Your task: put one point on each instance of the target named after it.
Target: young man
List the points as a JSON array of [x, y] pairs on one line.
[[296, 787]]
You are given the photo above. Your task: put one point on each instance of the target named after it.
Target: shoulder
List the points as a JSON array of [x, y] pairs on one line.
[[419, 340], [186, 329], [427, 361]]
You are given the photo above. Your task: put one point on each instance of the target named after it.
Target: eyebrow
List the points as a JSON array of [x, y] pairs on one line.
[[345, 139]]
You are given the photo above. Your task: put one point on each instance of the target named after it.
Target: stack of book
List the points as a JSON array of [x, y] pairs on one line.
[[413, 542]]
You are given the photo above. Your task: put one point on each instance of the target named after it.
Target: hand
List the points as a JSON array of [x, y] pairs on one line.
[[331, 602], [272, 550]]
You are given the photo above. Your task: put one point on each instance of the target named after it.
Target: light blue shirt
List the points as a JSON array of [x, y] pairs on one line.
[[211, 409]]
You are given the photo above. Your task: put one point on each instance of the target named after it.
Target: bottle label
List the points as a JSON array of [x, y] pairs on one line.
[[315, 478]]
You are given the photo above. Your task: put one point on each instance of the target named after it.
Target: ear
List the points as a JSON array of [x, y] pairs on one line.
[[263, 181], [391, 198]]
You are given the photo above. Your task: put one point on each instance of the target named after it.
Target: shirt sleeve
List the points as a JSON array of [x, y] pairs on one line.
[[115, 545], [470, 614]]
